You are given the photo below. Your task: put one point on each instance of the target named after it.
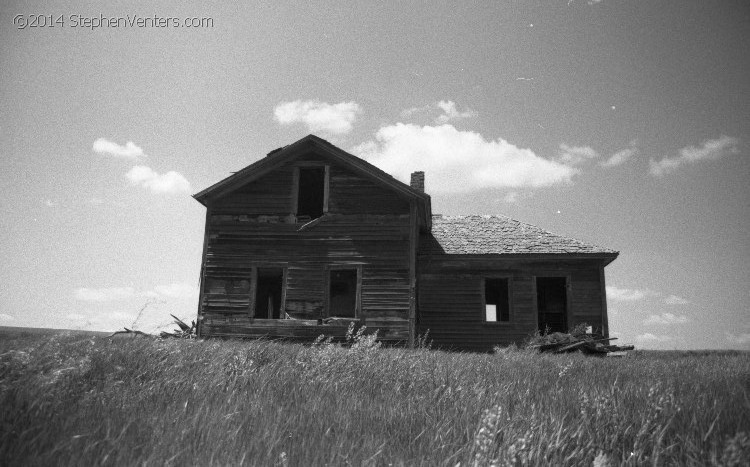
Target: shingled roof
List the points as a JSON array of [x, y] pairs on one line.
[[478, 235]]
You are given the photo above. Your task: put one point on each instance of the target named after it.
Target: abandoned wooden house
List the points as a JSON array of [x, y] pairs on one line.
[[311, 237]]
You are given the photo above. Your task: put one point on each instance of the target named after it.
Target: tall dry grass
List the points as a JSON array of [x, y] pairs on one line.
[[72, 400]]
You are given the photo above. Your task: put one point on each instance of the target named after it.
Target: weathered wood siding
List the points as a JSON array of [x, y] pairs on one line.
[[450, 298], [367, 225]]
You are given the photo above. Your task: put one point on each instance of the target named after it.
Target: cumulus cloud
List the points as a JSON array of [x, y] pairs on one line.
[[665, 318], [710, 149], [336, 119], [459, 161], [742, 339], [649, 337], [450, 112], [439, 112], [6, 317], [110, 148], [627, 295], [675, 300], [170, 182], [621, 156], [104, 294], [175, 290], [575, 155], [511, 197]]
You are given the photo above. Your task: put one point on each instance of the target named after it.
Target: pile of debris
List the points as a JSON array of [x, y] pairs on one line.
[[185, 331], [587, 343]]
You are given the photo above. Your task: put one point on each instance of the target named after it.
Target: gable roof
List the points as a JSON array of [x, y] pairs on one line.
[[500, 235], [320, 146]]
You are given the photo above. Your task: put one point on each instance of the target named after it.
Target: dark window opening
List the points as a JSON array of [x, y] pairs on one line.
[[311, 192], [552, 304], [496, 300], [343, 293], [268, 293]]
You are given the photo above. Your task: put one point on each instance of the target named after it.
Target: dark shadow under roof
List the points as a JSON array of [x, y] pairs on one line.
[[483, 235]]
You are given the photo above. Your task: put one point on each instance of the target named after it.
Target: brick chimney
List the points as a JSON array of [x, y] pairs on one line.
[[417, 181]]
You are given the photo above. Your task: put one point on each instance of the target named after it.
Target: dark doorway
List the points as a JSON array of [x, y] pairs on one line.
[[343, 293], [552, 304], [311, 192], [268, 293]]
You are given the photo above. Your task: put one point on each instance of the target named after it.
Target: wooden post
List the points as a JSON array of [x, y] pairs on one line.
[[413, 226], [206, 232], [253, 289], [603, 291]]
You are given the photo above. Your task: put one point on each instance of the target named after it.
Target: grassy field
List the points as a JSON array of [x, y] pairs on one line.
[[90, 400]]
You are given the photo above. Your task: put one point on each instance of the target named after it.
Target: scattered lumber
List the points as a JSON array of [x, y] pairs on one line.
[[589, 344], [130, 333], [184, 331]]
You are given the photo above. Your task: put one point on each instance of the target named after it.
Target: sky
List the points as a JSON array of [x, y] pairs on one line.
[[621, 123]]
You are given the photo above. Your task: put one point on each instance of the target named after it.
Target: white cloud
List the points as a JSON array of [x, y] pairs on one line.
[[649, 337], [666, 318], [446, 111], [103, 294], [129, 151], [621, 156], [511, 197], [170, 182], [740, 339], [6, 317], [75, 317], [627, 295], [459, 161], [675, 300], [320, 116], [176, 290], [710, 149], [451, 113], [575, 155]]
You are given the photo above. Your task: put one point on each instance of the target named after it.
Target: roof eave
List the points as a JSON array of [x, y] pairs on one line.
[[607, 257]]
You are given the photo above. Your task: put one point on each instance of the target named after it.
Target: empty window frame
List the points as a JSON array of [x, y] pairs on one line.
[[312, 192], [228, 294], [496, 300], [344, 287]]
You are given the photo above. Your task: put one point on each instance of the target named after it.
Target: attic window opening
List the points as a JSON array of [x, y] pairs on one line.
[[311, 192], [496, 300]]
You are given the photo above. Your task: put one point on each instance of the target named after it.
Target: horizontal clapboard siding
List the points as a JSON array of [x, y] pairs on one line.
[[450, 298], [366, 226]]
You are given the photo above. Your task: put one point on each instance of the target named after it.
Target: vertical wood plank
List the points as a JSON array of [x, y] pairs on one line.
[[603, 292], [327, 293], [282, 305], [570, 316], [413, 237], [206, 233], [358, 309], [253, 289], [295, 190], [326, 187]]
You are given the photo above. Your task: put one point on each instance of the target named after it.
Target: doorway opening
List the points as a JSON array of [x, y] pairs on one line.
[[342, 298], [268, 293], [552, 304]]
